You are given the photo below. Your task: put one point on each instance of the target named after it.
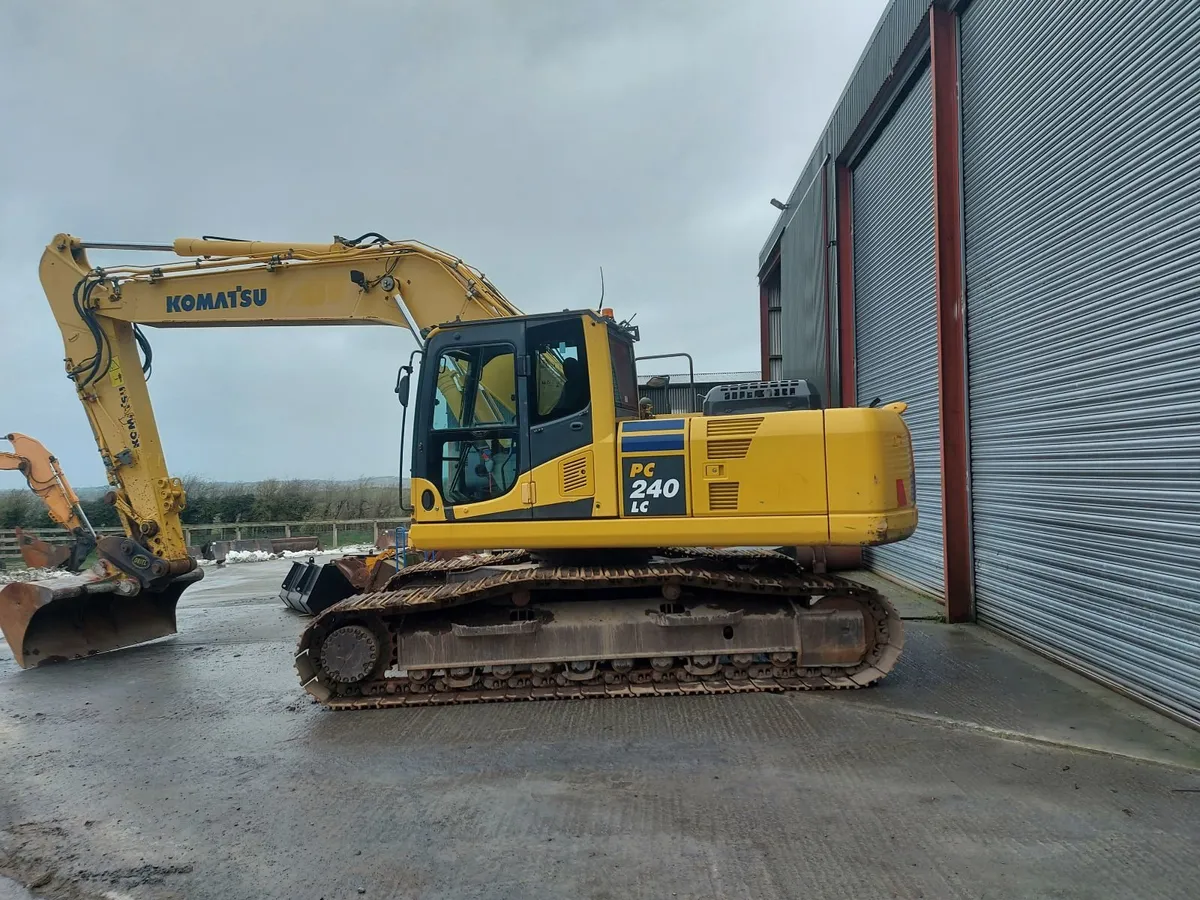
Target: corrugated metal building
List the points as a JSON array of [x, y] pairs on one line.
[[999, 226]]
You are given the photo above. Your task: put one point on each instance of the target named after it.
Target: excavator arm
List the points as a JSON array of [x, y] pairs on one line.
[[46, 479], [130, 596]]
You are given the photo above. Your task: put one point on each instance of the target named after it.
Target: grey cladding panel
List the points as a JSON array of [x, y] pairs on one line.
[[803, 316]]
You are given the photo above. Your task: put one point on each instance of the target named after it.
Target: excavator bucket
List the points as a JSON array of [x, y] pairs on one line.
[[311, 588], [76, 616], [39, 554]]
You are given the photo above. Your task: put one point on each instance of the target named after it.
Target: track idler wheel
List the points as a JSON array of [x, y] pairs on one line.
[[354, 652]]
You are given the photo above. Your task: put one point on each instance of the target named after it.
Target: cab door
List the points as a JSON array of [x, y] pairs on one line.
[[472, 443], [560, 409]]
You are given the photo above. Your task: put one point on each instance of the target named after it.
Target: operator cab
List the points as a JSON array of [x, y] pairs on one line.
[[498, 398]]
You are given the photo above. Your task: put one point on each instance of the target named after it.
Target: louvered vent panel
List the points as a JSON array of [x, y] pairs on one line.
[[575, 474], [731, 426], [723, 495], [729, 448]]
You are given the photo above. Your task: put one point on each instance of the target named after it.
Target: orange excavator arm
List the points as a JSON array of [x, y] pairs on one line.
[[46, 479]]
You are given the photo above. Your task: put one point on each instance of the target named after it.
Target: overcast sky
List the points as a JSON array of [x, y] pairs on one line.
[[536, 140]]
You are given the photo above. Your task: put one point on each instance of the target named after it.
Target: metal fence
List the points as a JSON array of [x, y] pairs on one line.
[[330, 533], [8, 539]]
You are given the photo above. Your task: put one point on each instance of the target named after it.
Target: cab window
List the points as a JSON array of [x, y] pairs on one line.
[[624, 373], [560, 385], [475, 455], [475, 386], [474, 470]]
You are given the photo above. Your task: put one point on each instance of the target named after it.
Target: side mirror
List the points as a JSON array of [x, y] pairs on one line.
[[402, 384]]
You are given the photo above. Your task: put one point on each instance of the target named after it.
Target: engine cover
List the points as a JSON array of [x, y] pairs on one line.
[[760, 397]]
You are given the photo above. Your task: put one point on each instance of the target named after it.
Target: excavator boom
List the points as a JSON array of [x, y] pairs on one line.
[[604, 537], [228, 283]]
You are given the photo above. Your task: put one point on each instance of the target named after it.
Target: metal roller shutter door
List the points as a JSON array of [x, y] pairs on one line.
[[895, 326], [1080, 127]]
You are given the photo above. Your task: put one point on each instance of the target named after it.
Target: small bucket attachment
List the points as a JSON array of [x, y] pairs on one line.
[[77, 616], [39, 554], [311, 588]]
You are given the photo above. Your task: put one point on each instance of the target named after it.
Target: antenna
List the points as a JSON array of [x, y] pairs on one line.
[[600, 305]]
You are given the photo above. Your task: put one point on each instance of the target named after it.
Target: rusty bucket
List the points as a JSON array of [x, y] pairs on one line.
[[77, 616], [39, 554]]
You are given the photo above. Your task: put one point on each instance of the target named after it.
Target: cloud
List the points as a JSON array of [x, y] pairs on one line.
[[537, 141]]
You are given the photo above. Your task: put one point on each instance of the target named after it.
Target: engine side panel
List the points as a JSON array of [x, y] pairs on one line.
[[766, 464]]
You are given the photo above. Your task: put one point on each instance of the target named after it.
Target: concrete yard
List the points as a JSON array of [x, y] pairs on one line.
[[196, 767]]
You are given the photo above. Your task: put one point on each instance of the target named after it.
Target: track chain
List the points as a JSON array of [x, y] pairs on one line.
[[421, 588]]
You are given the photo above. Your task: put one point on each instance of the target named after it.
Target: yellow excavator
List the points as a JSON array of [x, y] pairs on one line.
[[618, 552], [46, 479]]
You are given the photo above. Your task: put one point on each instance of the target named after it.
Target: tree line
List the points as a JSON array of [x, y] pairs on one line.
[[208, 503]]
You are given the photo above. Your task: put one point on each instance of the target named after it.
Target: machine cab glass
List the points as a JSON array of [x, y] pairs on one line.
[[497, 400], [474, 437]]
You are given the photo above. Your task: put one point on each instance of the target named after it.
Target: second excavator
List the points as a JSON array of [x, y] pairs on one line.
[[46, 479], [617, 553]]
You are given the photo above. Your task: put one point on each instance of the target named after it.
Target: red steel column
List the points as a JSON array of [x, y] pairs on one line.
[[951, 323], [845, 268]]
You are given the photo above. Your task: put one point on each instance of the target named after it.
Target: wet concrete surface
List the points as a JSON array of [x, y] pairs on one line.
[[13, 890], [197, 767]]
